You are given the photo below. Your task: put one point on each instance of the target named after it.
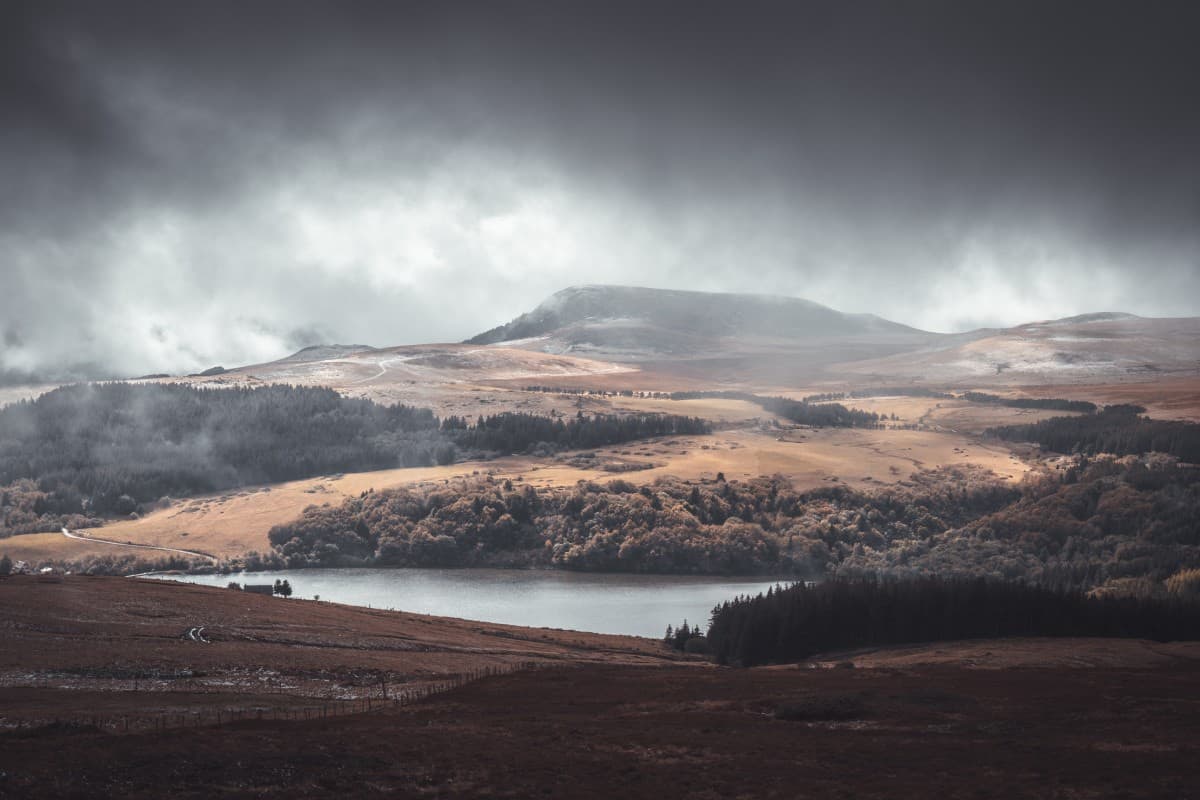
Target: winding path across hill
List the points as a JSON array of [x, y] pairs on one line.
[[192, 553], [383, 368]]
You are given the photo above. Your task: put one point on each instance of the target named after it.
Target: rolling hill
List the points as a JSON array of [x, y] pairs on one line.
[[622, 337], [1102, 347], [786, 342], [628, 323]]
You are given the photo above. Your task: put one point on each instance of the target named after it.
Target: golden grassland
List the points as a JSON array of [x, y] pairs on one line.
[[744, 445], [236, 522], [1163, 398]]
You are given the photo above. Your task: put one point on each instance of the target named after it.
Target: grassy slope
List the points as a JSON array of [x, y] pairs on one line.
[[236, 522], [613, 719]]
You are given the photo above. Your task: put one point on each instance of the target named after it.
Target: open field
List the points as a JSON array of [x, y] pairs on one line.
[[449, 378], [604, 732], [237, 522], [610, 718], [470, 380], [1164, 398], [818, 456], [975, 418], [127, 637], [37, 548], [1016, 653], [1060, 352], [1070, 358]]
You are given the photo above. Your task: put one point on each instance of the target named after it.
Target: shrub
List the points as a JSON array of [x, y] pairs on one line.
[[824, 708]]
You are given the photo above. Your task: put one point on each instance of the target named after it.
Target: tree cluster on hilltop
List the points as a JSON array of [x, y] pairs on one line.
[[820, 415], [1046, 403], [81, 453], [879, 391], [106, 448], [803, 412], [515, 432]]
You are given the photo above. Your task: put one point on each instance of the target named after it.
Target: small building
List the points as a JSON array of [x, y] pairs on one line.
[[259, 588]]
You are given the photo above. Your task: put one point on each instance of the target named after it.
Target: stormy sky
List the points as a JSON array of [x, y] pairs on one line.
[[187, 184]]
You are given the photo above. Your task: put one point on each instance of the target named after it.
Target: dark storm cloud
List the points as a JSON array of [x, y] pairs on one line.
[[218, 182]]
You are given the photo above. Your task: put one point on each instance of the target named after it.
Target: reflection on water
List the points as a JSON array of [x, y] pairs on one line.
[[641, 605]]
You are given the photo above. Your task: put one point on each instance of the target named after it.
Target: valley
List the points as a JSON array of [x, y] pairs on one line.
[[575, 355], [599, 400], [231, 524], [909, 481]]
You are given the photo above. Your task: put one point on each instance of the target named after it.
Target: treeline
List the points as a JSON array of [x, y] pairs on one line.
[[104, 449], [1122, 526], [1049, 403], [512, 432], [820, 415], [1118, 429], [575, 390], [123, 564], [760, 526], [884, 391], [803, 412], [793, 623], [81, 453], [813, 410]]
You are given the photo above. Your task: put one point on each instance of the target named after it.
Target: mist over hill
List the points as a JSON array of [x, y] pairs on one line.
[[756, 340], [687, 312], [630, 320]]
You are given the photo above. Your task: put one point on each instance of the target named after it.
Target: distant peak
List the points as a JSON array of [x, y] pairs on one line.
[[1100, 316], [323, 352], [1097, 316], [625, 290], [599, 315]]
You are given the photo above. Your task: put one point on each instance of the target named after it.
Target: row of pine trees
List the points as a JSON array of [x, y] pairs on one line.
[[791, 623]]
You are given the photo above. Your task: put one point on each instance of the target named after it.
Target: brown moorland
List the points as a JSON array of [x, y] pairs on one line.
[[612, 717], [64, 643]]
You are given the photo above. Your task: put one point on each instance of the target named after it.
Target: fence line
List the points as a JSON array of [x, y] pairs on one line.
[[399, 696]]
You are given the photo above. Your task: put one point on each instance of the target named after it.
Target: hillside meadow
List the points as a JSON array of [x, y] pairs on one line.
[[232, 523]]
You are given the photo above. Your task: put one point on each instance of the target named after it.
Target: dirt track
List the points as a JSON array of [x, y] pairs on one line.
[[90, 538]]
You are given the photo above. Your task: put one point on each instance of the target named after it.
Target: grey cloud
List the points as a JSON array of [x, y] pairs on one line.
[[219, 182]]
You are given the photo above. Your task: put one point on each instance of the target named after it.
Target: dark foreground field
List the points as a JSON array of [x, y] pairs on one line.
[[623, 731], [582, 715]]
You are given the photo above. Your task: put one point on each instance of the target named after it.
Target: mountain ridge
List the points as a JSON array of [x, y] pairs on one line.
[[601, 315]]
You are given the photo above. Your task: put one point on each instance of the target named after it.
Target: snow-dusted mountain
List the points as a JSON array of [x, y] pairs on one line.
[[632, 322]]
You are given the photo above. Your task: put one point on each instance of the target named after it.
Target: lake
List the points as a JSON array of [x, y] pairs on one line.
[[639, 605]]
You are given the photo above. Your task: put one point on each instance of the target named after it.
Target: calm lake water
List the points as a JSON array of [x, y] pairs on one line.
[[641, 605]]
